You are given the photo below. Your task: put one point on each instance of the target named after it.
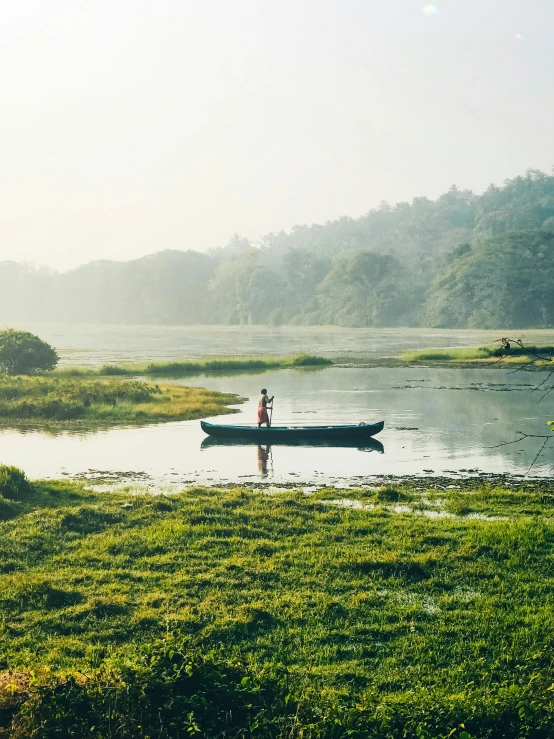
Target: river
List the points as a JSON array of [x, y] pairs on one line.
[[438, 421]]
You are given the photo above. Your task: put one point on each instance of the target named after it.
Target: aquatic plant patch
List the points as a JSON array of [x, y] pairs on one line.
[[70, 401], [204, 366], [485, 354]]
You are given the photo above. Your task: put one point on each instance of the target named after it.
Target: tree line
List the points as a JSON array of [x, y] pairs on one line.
[[462, 260]]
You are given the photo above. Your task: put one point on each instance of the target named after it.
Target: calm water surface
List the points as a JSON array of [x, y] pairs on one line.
[[90, 344], [438, 421]]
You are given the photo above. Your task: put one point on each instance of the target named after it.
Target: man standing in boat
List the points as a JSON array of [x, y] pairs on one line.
[[263, 400]]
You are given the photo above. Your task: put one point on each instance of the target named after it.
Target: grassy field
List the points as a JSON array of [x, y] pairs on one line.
[[103, 401], [479, 354], [391, 612], [205, 366]]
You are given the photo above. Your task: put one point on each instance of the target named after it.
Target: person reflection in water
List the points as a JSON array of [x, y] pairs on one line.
[[263, 400], [263, 456]]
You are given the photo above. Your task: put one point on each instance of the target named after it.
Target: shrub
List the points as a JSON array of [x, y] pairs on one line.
[[112, 370], [23, 353], [13, 483], [166, 692], [308, 360]]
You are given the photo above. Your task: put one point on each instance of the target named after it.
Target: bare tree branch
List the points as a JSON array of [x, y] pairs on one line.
[[523, 366], [544, 381], [546, 393], [546, 437], [505, 345], [538, 455], [521, 438]]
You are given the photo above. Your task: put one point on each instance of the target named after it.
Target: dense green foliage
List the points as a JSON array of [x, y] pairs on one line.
[[55, 399], [23, 353], [506, 281], [219, 613], [463, 260], [13, 483]]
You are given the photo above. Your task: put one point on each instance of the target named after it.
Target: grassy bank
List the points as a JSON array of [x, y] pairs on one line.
[[408, 612], [73, 401], [483, 354], [206, 366]]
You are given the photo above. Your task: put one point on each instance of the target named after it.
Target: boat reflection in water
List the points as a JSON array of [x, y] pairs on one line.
[[369, 445], [265, 453]]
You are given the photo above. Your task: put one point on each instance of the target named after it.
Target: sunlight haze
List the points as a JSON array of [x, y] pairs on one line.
[[134, 126]]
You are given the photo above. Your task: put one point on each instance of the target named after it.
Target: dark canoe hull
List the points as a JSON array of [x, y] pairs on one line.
[[351, 434]]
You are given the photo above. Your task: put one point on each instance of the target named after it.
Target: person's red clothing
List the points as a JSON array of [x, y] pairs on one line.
[[262, 414]]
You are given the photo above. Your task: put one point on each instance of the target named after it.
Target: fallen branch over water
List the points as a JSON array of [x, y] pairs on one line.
[[511, 351]]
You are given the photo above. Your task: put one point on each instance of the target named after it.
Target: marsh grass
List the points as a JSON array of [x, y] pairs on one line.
[[313, 620], [206, 366], [472, 354], [67, 400], [447, 355]]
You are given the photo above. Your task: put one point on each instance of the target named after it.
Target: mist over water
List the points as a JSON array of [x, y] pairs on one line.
[[91, 344]]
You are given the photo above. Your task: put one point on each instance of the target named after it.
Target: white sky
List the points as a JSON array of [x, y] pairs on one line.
[[130, 126]]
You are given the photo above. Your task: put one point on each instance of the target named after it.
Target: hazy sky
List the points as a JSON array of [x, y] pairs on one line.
[[130, 126]]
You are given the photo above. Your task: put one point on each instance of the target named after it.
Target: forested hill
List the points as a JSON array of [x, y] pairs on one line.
[[463, 260]]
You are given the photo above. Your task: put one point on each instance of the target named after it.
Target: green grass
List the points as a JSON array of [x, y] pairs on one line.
[[206, 366], [448, 355], [468, 354], [224, 613], [69, 401]]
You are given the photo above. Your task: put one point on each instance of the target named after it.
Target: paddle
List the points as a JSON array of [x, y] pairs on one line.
[[271, 410]]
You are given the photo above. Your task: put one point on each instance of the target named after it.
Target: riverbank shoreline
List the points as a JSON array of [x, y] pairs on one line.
[[141, 483]]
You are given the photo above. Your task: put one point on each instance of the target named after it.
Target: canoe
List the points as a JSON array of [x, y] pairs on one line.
[[301, 434], [367, 445]]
